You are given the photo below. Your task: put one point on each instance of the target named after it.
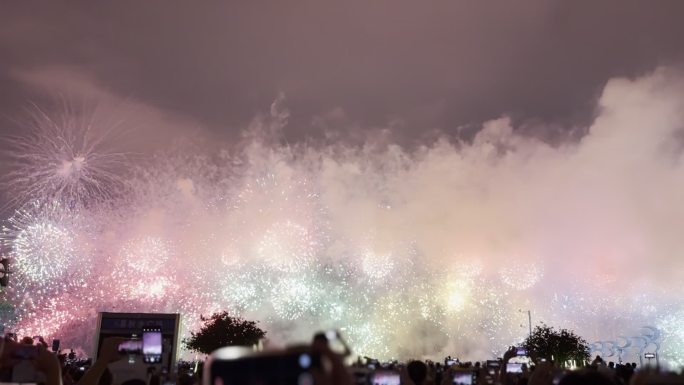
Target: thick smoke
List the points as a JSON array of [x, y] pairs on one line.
[[439, 248]]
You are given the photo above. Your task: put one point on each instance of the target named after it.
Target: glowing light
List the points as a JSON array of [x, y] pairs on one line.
[[457, 295]]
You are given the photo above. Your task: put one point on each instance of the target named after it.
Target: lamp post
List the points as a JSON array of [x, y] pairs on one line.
[[529, 320], [649, 357]]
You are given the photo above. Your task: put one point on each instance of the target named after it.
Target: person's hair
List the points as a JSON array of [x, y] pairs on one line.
[[320, 338], [417, 372]]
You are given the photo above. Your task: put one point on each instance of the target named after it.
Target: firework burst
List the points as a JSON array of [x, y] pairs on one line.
[[263, 232], [66, 158]]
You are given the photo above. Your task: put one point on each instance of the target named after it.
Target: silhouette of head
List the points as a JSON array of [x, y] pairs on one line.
[[585, 378], [417, 371]]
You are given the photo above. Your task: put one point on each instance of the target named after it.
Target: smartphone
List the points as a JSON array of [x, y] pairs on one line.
[[152, 345], [450, 362], [521, 351], [385, 377], [463, 378], [55, 345], [132, 347], [25, 352], [493, 364], [513, 367], [225, 367]]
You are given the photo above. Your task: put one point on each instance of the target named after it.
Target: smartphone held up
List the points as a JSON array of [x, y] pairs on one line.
[[152, 345]]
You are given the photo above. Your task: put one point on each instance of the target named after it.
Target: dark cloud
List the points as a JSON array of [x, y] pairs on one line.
[[436, 65]]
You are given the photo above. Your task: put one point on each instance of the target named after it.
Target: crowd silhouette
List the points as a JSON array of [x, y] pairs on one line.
[[30, 360]]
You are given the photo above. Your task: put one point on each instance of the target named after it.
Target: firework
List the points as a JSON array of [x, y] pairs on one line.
[[265, 233], [47, 242], [65, 157]]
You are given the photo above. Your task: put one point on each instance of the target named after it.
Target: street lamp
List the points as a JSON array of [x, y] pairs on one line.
[[650, 356], [529, 320]]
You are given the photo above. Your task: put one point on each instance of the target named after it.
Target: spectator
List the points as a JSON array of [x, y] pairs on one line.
[[417, 372], [586, 377], [108, 354], [44, 361]]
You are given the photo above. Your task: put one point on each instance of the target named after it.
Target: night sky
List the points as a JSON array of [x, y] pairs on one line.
[[413, 67], [499, 156]]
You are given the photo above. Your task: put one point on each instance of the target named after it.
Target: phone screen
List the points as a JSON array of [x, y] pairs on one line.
[[463, 378], [521, 352], [152, 345], [513, 367], [386, 377]]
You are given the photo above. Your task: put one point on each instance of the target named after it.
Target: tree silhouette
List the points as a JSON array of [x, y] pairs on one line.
[[560, 346], [222, 330]]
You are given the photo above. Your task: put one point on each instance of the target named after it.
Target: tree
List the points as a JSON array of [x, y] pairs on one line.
[[222, 330], [560, 346]]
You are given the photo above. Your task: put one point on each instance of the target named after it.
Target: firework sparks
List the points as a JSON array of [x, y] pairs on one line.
[[261, 235], [64, 158]]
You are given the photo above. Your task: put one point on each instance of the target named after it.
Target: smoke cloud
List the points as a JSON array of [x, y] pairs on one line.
[[413, 250]]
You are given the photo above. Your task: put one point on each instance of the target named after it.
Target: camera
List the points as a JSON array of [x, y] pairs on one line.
[[235, 365]]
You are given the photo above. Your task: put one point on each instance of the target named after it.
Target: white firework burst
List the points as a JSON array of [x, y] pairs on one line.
[[66, 157], [46, 242]]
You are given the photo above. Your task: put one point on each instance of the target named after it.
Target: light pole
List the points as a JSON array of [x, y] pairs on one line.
[[529, 320]]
